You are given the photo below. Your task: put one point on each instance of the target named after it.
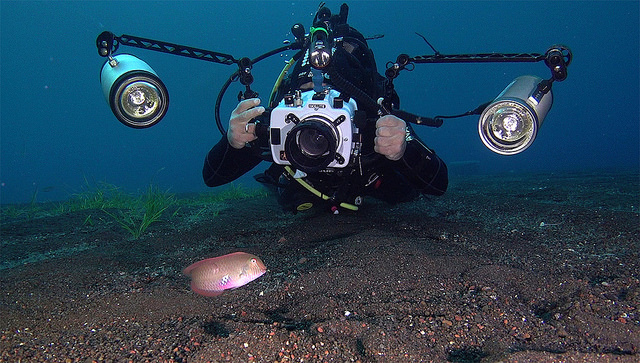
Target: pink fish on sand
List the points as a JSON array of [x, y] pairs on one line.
[[212, 276]]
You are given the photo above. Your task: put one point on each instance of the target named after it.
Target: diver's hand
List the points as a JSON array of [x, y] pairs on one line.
[[240, 131], [390, 138]]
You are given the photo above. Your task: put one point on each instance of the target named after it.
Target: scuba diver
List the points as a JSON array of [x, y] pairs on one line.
[[329, 162]]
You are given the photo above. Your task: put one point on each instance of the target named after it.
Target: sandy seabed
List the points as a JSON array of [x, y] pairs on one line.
[[512, 268]]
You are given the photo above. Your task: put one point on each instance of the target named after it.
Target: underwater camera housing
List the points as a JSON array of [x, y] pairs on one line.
[[313, 131]]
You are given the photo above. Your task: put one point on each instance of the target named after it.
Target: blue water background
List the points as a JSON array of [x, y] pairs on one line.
[[58, 132]]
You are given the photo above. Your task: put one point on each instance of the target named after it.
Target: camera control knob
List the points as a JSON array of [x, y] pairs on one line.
[[297, 100], [288, 100]]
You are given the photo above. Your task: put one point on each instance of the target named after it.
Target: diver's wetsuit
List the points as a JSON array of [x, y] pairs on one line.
[[419, 171]]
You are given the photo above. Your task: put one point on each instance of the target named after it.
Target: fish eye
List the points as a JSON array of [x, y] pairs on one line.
[[253, 260]]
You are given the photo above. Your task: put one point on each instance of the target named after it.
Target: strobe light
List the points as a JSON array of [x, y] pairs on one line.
[[509, 125], [136, 95]]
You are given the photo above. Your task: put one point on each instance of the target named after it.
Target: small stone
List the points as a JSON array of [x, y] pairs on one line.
[[562, 333]]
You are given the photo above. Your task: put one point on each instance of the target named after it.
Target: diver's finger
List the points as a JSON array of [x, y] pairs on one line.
[[252, 113], [246, 105], [390, 121]]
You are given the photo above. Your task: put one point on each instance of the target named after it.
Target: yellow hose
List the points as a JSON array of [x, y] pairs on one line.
[[315, 191], [284, 71]]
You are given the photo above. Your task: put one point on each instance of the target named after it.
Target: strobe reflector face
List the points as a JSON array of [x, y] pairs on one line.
[[508, 127], [510, 124], [139, 101], [136, 95]]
